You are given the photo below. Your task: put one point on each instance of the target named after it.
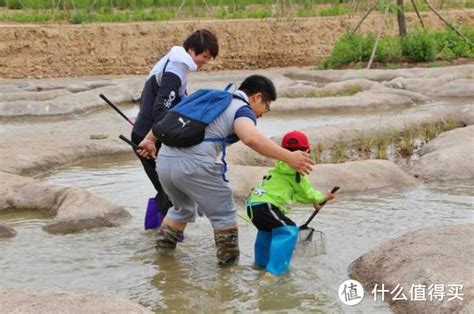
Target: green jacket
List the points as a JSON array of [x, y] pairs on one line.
[[279, 188]]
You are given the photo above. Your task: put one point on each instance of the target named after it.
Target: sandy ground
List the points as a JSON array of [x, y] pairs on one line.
[[55, 50]]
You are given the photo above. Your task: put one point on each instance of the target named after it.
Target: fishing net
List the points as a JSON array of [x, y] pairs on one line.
[[311, 242]]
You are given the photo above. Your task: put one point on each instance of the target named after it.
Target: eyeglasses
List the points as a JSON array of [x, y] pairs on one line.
[[267, 105]]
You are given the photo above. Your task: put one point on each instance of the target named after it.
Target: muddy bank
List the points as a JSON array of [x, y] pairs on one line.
[[132, 48]]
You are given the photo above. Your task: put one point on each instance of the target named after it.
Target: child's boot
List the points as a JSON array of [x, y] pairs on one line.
[[282, 247], [168, 237], [262, 248], [227, 246]]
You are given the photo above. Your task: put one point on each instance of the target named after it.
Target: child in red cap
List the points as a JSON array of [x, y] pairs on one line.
[[270, 201]]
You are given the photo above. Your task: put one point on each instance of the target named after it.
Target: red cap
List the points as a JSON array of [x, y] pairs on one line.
[[295, 140]]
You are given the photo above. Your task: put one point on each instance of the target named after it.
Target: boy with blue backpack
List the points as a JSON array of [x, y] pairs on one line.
[[270, 201], [190, 175]]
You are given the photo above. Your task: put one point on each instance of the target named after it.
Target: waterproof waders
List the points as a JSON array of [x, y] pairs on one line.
[[167, 237], [227, 246]]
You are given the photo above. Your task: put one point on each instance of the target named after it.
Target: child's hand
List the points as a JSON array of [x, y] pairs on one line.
[[317, 206], [329, 196]]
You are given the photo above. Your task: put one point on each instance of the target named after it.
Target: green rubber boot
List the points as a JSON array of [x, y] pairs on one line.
[[167, 237], [227, 246]]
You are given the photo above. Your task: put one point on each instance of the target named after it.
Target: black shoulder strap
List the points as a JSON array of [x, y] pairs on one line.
[[160, 75], [241, 98]]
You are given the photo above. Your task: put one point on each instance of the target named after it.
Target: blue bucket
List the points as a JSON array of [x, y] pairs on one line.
[[153, 216]]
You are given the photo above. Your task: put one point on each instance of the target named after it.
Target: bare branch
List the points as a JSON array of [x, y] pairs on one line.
[[379, 35], [363, 18], [417, 13], [447, 23]]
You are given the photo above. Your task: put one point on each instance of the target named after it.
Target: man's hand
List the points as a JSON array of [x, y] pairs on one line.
[[147, 149], [301, 162]]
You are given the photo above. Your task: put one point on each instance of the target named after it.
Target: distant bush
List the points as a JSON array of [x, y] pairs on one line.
[[334, 10], [419, 45], [350, 49], [450, 45], [388, 50], [14, 4], [259, 13], [77, 18]]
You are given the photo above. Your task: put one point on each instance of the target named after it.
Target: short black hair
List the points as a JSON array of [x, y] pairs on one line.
[[202, 40], [259, 84]]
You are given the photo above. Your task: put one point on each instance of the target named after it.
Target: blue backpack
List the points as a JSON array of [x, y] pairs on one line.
[[184, 125]]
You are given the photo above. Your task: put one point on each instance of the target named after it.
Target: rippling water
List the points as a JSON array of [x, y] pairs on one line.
[[123, 260]]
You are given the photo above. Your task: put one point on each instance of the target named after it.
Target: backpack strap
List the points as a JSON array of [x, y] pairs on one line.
[[228, 87], [160, 75], [223, 146], [223, 141]]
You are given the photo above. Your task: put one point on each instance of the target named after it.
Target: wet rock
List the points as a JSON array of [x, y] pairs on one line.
[[434, 256], [6, 231], [72, 209], [98, 136], [360, 102], [448, 157], [456, 88], [28, 301]]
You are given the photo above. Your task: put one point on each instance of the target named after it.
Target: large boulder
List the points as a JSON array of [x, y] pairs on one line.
[[357, 176], [26, 301], [440, 256], [6, 231], [448, 157], [72, 209]]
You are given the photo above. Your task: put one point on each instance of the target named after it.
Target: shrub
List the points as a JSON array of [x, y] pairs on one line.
[[343, 51], [446, 54], [333, 11], [419, 45], [259, 13], [350, 49], [77, 18], [14, 4], [389, 50]]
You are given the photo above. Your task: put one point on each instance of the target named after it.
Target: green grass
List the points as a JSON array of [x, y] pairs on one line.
[[345, 91], [318, 153], [85, 11], [339, 152], [419, 45]]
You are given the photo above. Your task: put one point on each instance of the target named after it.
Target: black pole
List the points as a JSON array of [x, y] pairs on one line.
[[305, 225], [126, 140], [115, 108]]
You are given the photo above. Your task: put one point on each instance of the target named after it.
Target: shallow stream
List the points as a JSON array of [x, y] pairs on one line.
[[124, 261]]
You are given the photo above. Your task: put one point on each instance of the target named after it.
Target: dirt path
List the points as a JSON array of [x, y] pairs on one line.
[[55, 50]]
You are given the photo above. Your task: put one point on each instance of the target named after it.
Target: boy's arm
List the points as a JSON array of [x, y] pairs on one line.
[[306, 194]]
